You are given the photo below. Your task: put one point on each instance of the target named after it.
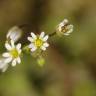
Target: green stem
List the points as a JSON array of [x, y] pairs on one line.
[[52, 34], [26, 49], [24, 25]]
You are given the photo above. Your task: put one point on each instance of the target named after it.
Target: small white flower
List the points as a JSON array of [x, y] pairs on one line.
[[3, 65], [64, 28], [13, 54], [38, 41], [14, 33]]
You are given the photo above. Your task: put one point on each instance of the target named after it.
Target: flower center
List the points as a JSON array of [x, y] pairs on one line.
[[64, 29], [14, 53], [38, 42]]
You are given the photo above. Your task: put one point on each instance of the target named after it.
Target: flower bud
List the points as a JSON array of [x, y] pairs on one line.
[[14, 33], [64, 28], [41, 61]]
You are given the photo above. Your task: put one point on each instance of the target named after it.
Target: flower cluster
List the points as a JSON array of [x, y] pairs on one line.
[[13, 53], [37, 42]]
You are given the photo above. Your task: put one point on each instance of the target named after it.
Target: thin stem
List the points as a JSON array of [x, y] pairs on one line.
[[24, 25], [52, 34], [26, 49]]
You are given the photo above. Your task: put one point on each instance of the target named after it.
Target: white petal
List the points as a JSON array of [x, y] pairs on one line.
[[8, 34], [12, 44], [8, 60], [33, 35], [70, 26], [3, 65], [45, 38], [8, 47], [31, 45], [70, 31], [5, 68], [42, 35], [33, 49], [6, 54], [12, 35], [65, 21], [61, 24], [43, 48], [19, 60], [18, 46], [46, 44], [19, 51], [30, 39], [14, 62]]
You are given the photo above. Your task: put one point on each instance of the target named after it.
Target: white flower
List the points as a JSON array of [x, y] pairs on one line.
[[13, 54], [38, 41], [64, 28], [3, 65], [14, 33]]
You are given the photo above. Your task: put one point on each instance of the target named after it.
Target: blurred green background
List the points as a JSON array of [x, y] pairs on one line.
[[70, 68]]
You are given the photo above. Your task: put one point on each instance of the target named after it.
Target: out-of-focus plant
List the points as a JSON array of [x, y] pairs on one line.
[[38, 44]]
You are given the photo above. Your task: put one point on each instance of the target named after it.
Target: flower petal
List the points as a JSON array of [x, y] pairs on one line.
[[3, 65], [8, 60], [31, 45], [42, 35], [8, 47], [18, 46], [30, 39], [5, 68], [33, 35], [19, 60], [61, 24], [6, 54], [19, 51], [45, 38], [43, 48], [14, 62], [33, 49], [46, 44], [65, 21], [70, 31]]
